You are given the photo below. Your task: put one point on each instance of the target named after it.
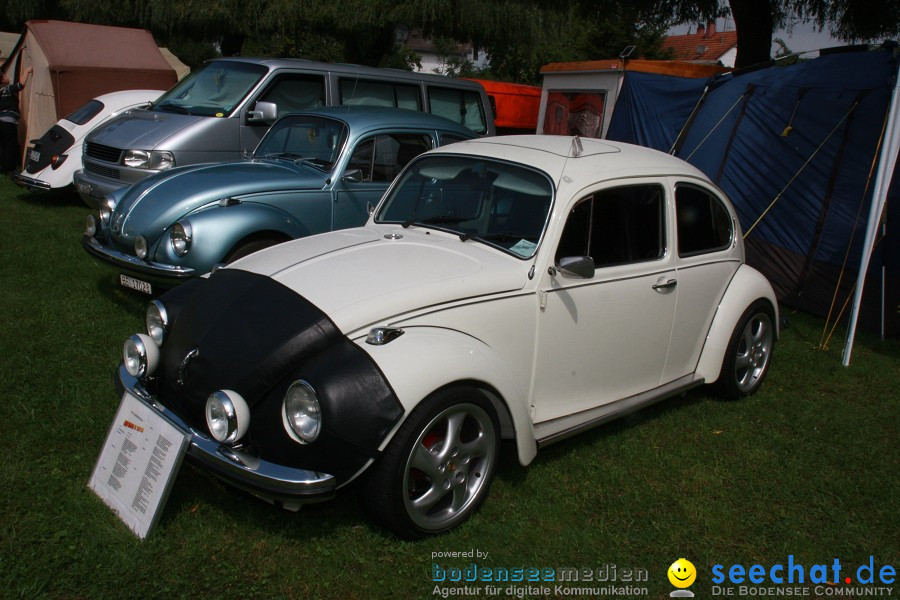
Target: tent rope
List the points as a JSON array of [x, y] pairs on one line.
[[716, 126], [800, 170], [823, 343]]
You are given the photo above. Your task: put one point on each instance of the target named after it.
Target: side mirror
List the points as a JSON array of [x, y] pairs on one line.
[[579, 266], [353, 176], [263, 112]]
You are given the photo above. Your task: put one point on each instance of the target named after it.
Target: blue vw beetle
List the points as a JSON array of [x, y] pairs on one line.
[[314, 171]]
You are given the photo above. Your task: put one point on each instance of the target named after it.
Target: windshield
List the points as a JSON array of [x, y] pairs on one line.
[[313, 140], [493, 202], [213, 91]]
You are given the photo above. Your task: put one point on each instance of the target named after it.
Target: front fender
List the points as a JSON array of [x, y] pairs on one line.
[[747, 286], [425, 359], [216, 230]]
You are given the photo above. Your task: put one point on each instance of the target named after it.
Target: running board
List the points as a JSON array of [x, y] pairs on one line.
[[560, 428]]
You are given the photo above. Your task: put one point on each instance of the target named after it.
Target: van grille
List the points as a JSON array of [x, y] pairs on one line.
[[110, 172], [104, 153]]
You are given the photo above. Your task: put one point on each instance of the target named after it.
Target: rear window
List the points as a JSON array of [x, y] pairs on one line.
[[461, 106], [87, 112]]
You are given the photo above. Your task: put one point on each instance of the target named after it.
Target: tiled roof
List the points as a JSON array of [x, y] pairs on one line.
[[707, 45]]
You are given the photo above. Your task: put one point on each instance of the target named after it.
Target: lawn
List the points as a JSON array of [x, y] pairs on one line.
[[806, 468]]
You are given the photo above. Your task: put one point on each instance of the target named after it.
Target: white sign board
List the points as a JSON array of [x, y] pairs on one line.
[[138, 464]]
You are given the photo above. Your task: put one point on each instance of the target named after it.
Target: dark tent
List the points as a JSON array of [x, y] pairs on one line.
[[796, 149]]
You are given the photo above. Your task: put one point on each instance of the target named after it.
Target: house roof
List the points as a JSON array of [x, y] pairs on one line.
[[706, 45]]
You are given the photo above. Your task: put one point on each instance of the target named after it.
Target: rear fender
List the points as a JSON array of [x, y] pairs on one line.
[[426, 359], [747, 286]]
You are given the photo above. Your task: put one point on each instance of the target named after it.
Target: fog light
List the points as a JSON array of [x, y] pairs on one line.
[[90, 226], [140, 355], [157, 320], [140, 246], [301, 413], [227, 416]]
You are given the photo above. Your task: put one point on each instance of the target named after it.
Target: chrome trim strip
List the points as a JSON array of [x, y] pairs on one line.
[[555, 430], [264, 479], [133, 263]]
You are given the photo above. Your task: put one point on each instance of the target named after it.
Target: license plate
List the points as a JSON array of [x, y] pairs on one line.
[[34, 155], [135, 284], [85, 188]]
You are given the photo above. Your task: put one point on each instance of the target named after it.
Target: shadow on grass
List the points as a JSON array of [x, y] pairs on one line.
[[53, 198]]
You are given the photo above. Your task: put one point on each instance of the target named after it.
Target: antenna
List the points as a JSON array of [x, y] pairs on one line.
[[577, 149]]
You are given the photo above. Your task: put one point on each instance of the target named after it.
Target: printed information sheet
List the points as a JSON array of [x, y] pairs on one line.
[[138, 464]]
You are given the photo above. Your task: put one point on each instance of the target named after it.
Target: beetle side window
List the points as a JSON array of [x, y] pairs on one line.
[[381, 158], [617, 226], [704, 224], [294, 92]]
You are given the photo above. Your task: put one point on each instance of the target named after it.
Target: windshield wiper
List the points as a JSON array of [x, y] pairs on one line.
[[172, 107], [501, 236], [437, 220]]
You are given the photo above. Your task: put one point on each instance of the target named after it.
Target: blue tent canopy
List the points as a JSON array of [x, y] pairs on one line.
[[794, 148]]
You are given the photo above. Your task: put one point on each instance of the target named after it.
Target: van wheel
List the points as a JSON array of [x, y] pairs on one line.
[[438, 468], [749, 352]]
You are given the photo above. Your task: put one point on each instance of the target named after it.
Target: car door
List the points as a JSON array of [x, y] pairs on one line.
[[289, 92], [605, 336], [706, 260], [373, 164]]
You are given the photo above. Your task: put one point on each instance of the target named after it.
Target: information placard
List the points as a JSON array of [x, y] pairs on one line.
[[138, 464]]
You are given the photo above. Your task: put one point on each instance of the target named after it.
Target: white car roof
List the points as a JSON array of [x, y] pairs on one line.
[[596, 160]]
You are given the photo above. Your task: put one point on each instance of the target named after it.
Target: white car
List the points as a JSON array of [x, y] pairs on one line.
[[51, 160], [522, 287]]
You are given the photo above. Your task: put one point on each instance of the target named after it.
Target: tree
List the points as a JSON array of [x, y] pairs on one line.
[[756, 21]]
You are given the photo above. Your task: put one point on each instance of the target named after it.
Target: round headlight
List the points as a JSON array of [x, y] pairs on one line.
[[140, 246], [157, 320], [227, 416], [181, 237], [140, 355], [90, 226], [302, 415]]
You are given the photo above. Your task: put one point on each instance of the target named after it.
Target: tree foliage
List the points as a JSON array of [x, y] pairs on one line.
[[519, 36]]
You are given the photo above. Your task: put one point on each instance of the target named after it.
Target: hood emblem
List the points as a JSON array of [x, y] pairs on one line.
[[182, 368]]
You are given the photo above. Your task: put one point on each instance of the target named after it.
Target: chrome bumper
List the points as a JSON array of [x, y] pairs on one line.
[[34, 185], [269, 481], [157, 272]]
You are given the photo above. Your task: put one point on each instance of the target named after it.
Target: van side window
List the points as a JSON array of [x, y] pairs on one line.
[[380, 93], [704, 224], [292, 92], [382, 157], [460, 106], [617, 226]]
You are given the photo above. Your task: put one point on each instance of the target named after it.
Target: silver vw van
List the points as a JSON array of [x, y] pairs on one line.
[[220, 112]]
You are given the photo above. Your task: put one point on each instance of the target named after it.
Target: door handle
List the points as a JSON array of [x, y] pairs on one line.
[[666, 285]]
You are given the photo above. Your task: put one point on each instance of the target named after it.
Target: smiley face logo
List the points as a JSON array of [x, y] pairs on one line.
[[682, 573]]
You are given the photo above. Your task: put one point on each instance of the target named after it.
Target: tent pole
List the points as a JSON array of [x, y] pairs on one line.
[[886, 164]]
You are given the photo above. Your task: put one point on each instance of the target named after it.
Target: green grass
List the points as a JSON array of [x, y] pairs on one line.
[[808, 467]]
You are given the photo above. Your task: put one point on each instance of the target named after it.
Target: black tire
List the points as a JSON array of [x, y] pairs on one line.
[[749, 352], [248, 248], [438, 468]]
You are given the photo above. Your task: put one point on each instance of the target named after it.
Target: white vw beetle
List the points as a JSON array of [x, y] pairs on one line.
[[52, 159], [512, 287]]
